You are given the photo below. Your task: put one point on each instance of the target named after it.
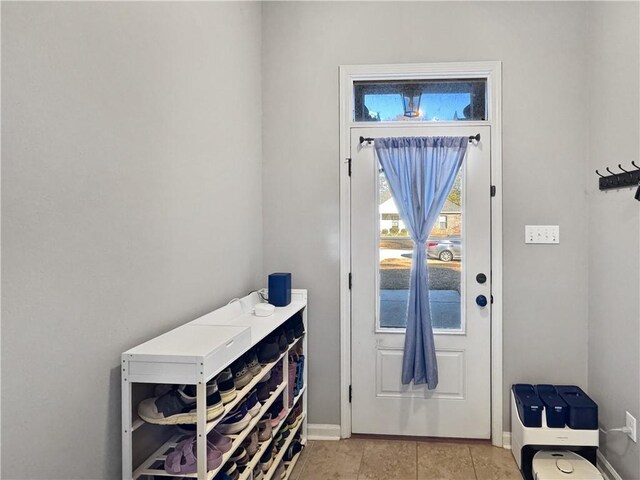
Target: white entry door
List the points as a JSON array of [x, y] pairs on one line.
[[459, 251]]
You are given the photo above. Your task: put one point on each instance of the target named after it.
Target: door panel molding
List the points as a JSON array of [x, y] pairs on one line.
[[389, 385], [493, 72]]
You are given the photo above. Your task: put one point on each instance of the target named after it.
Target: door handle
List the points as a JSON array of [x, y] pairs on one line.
[[481, 301]]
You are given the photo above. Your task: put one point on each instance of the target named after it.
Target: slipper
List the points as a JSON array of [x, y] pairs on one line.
[[183, 458]]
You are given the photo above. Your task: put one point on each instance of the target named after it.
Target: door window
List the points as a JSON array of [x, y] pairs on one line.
[[444, 261], [420, 100]]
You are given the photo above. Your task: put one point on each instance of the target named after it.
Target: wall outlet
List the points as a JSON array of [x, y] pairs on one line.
[[631, 424], [541, 234]]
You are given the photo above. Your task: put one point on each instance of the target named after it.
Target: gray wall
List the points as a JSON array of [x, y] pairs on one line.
[[542, 48], [614, 270], [131, 203]]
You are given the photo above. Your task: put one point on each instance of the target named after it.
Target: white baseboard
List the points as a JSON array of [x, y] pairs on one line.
[[607, 470], [506, 440], [322, 431]]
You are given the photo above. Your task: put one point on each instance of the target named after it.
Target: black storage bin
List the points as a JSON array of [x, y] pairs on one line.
[[554, 407], [529, 405], [582, 411]]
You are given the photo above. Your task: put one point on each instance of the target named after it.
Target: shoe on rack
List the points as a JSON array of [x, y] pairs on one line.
[[266, 376], [231, 469], [264, 429], [278, 412], [295, 359], [268, 350], [274, 382], [236, 421], [293, 421], [252, 403], [251, 359], [240, 457], [267, 459], [283, 345], [221, 442], [276, 375], [163, 388], [288, 331], [257, 472], [298, 324], [215, 406], [280, 440], [182, 460], [264, 391], [250, 443], [179, 406], [294, 448], [280, 470], [226, 386], [292, 374], [241, 374], [295, 414], [220, 476], [300, 373]]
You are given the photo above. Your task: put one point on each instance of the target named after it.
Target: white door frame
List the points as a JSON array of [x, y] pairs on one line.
[[492, 71]]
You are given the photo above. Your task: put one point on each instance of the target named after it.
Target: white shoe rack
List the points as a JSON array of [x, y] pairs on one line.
[[193, 354]]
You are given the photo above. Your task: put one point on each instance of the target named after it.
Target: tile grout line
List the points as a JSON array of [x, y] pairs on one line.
[[304, 463], [361, 460], [473, 463]]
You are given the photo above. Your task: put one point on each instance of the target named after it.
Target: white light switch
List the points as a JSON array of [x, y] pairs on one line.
[[541, 234]]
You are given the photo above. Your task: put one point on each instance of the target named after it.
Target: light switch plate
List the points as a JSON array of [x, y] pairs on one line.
[[542, 234]]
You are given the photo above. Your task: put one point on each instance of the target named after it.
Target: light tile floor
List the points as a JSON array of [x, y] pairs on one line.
[[379, 459]]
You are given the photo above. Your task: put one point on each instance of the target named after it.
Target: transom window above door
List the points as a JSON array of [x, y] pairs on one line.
[[441, 100]]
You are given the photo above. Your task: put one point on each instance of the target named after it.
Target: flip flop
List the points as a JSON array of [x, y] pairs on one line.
[[183, 458]]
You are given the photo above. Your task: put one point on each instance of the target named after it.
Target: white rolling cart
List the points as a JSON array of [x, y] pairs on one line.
[[193, 354]]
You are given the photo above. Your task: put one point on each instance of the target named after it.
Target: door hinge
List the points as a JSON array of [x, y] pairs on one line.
[[350, 393], [350, 280], [493, 187], [491, 299], [349, 162]]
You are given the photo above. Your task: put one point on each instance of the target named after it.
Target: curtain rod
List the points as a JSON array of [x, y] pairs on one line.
[[475, 137]]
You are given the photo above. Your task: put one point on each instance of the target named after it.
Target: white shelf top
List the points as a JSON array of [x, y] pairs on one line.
[[260, 326], [188, 341], [197, 339]]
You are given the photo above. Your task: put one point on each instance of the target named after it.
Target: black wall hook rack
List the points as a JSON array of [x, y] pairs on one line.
[[626, 178]]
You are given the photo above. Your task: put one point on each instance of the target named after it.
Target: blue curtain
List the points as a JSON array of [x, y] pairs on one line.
[[420, 172]]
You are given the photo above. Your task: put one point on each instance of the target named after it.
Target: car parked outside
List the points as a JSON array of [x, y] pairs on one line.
[[445, 249]]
